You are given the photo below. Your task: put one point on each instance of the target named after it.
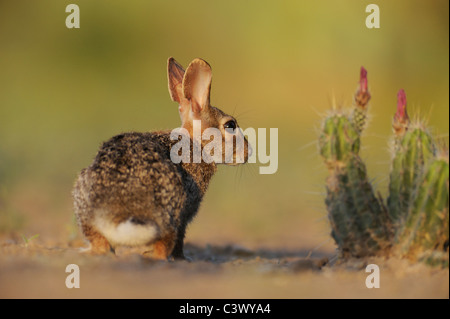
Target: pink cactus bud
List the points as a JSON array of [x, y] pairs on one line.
[[362, 95], [363, 80], [401, 119], [401, 115]]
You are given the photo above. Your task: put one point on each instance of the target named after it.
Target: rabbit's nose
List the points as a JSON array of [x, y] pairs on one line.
[[249, 150]]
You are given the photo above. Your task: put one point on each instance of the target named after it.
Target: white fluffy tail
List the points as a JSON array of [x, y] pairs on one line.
[[128, 233]]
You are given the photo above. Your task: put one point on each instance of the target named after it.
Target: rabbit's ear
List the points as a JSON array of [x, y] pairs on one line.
[[175, 75], [197, 84]]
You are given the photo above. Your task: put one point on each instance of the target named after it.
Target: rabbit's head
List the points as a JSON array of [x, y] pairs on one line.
[[191, 90]]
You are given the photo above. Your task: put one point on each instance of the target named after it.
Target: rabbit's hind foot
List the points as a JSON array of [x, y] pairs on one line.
[[98, 245], [161, 249]]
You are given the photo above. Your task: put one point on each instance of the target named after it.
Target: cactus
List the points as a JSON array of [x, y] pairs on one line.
[[415, 223], [360, 225]]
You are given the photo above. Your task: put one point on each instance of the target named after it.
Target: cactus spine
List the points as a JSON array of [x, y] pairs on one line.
[[415, 223]]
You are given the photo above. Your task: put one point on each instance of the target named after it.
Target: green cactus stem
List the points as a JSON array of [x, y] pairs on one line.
[[338, 141], [360, 225], [425, 234]]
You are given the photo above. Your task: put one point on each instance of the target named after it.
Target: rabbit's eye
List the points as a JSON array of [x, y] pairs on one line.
[[230, 124]]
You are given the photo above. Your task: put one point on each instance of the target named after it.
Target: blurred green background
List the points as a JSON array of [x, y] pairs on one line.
[[276, 64]]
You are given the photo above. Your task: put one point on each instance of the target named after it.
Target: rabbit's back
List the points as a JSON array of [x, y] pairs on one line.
[[132, 178]]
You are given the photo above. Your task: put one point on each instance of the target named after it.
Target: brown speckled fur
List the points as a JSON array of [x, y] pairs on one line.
[[133, 178]]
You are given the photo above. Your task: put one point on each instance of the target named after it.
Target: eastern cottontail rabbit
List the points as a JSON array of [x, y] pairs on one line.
[[133, 194]]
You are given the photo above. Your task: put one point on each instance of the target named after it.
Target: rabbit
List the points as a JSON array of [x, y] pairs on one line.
[[134, 195]]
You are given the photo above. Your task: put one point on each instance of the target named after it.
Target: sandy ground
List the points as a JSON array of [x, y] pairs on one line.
[[38, 270]]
